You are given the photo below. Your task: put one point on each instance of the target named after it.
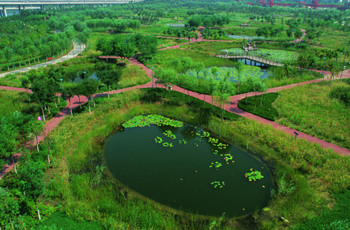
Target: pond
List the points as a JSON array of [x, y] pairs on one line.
[[264, 68], [193, 172]]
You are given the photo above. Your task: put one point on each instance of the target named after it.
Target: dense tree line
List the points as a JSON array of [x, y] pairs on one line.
[[127, 46]]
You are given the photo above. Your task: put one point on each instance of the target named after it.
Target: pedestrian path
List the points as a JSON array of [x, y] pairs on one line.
[[77, 49]]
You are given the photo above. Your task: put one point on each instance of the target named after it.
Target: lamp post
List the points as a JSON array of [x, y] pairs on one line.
[[61, 80], [342, 72], [324, 58], [152, 75]]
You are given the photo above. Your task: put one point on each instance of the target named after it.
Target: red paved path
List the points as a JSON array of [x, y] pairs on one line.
[[232, 107]]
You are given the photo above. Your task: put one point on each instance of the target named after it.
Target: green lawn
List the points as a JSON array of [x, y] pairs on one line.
[[308, 109], [334, 39], [11, 101], [133, 75]]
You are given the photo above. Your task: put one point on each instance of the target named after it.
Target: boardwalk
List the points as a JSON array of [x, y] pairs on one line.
[[253, 58]]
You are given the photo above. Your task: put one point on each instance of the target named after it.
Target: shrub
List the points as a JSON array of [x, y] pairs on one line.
[[341, 93]]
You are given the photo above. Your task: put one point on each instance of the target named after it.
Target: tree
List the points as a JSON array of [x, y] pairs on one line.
[[250, 83], [298, 33], [41, 94], [123, 47], [36, 127], [25, 84], [186, 64], [8, 56], [239, 68], [335, 70], [165, 76], [147, 45], [109, 77], [67, 94], [289, 32], [198, 67], [88, 87], [31, 182], [224, 89], [9, 134], [9, 209]]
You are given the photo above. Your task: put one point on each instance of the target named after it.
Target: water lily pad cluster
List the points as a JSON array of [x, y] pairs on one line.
[[228, 158], [169, 134], [147, 120], [165, 144], [218, 184], [182, 142], [215, 165], [215, 142], [254, 175]]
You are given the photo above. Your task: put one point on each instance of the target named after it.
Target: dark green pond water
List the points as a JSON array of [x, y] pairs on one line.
[[181, 176]]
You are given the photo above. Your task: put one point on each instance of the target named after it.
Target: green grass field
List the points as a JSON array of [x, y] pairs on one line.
[[308, 109], [11, 101]]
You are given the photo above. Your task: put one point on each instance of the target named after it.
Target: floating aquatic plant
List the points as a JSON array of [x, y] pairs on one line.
[[182, 142], [228, 157], [254, 175], [158, 140], [167, 144], [143, 121], [215, 165], [169, 134], [218, 184]]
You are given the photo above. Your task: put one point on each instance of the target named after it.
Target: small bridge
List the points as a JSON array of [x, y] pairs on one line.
[[252, 58]]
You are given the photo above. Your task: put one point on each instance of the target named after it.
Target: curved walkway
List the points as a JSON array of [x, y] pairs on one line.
[[77, 49], [233, 108]]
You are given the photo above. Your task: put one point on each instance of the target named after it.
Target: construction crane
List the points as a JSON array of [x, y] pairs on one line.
[[314, 4]]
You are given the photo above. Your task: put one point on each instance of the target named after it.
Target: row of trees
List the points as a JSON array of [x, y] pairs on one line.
[[127, 46], [208, 20], [28, 39], [119, 26], [52, 80], [217, 84], [187, 32]]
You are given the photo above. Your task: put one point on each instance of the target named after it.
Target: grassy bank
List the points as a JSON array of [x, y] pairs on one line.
[[309, 109], [260, 105]]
